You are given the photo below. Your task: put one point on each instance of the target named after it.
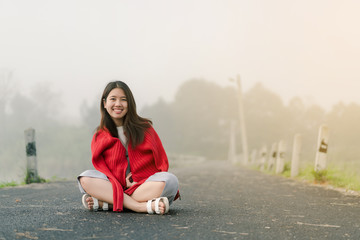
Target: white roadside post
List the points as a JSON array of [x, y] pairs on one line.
[[263, 153], [253, 156], [272, 156], [295, 160], [280, 160], [31, 163], [232, 148], [245, 154], [322, 147]]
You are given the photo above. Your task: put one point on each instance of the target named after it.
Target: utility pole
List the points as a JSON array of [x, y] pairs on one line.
[[232, 147], [242, 120]]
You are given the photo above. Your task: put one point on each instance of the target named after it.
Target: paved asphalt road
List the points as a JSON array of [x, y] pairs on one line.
[[219, 201]]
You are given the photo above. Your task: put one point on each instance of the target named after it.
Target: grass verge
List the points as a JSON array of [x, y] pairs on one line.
[[41, 180], [334, 176], [346, 178], [8, 184]]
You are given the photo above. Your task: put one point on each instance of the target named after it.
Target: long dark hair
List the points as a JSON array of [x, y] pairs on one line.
[[134, 125]]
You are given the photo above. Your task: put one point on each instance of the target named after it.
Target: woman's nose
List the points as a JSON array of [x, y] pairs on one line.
[[118, 103]]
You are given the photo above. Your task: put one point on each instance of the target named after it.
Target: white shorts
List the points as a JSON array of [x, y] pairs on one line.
[[171, 182]]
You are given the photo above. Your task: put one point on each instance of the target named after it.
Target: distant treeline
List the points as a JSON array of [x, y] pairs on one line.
[[62, 149], [196, 122]]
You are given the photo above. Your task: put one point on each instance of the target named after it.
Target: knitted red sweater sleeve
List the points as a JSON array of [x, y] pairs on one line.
[[159, 154], [103, 146], [147, 159]]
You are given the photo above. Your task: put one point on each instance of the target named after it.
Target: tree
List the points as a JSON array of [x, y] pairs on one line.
[[267, 118], [197, 122], [90, 114], [343, 121], [6, 90]]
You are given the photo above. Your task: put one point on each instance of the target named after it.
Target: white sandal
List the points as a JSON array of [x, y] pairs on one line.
[[95, 208], [165, 200]]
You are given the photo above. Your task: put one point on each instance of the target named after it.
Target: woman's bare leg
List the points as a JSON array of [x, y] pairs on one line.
[[148, 190], [102, 190], [98, 188]]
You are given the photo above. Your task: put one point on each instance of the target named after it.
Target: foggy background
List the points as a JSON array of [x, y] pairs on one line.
[[298, 62]]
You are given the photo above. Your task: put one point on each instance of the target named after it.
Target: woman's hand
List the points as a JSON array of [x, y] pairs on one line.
[[129, 181]]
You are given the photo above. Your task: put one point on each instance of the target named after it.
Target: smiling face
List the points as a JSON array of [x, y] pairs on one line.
[[116, 105]]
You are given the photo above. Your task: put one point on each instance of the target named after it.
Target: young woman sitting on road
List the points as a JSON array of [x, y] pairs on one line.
[[130, 161]]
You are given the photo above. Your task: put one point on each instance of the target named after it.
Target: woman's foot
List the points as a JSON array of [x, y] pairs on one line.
[[161, 207], [158, 206], [90, 202], [94, 204]]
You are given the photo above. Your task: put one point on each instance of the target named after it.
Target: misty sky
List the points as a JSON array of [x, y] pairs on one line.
[[301, 48]]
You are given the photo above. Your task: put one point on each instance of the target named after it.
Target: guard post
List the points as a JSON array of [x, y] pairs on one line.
[[280, 160], [31, 162], [272, 156], [322, 148], [295, 160], [263, 155]]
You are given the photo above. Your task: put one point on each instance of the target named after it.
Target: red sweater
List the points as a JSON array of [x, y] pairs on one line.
[[109, 157]]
